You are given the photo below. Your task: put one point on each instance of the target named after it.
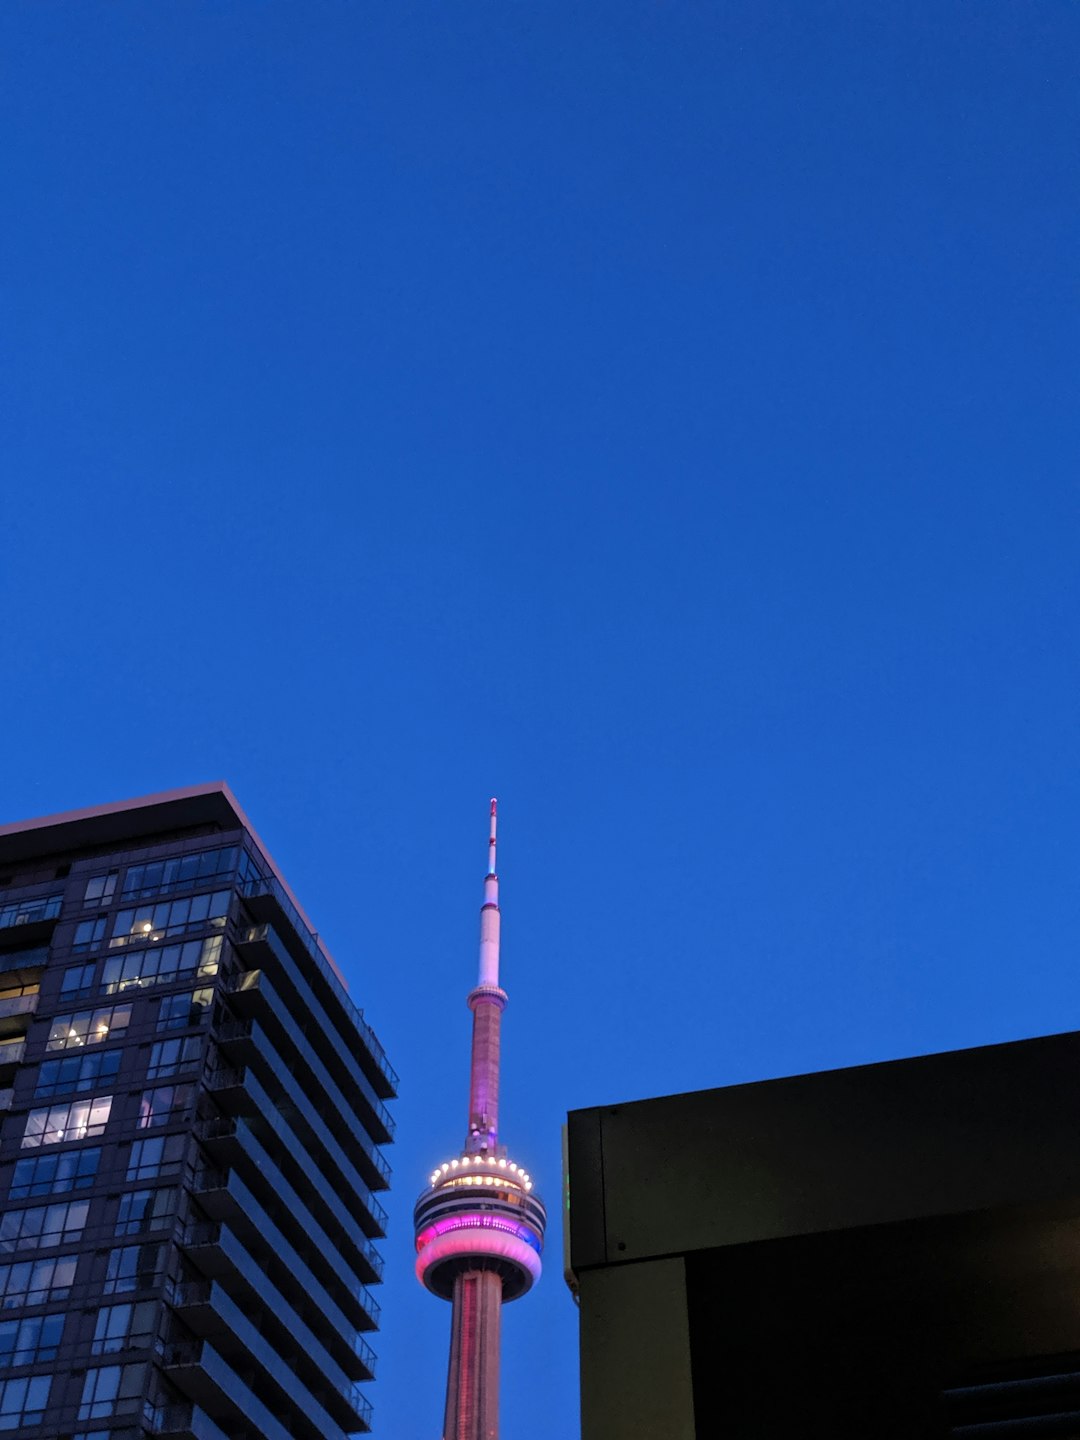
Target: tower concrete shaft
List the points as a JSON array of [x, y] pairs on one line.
[[472, 1391]]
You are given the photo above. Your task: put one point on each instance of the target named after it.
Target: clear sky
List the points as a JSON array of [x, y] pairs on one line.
[[660, 413]]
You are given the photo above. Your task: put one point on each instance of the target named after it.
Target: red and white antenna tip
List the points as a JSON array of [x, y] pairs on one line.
[[491, 840]]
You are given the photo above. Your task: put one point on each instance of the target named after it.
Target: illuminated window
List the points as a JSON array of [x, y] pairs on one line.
[[140, 968], [154, 922], [88, 1027], [53, 1124]]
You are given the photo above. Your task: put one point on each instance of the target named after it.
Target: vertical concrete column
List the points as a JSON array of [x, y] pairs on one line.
[[636, 1381], [472, 1391]]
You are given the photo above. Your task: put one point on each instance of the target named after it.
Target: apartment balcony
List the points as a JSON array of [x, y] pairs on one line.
[[243, 1238], [180, 1422], [315, 1111], [202, 1374], [257, 995], [351, 1060], [268, 902], [325, 1180], [210, 1312], [276, 1402], [12, 1054], [29, 921], [16, 1014]]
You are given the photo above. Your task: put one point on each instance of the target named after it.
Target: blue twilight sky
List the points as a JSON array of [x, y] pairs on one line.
[[660, 413]]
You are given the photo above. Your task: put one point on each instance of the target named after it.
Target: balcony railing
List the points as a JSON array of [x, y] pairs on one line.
[[25, 912], [310, 941]]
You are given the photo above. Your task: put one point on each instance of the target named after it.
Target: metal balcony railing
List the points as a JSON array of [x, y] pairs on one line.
[[310, 941]]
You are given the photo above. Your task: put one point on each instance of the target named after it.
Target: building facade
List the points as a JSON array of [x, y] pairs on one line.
[[194, 1114], [890, 1251], [479, 1224]]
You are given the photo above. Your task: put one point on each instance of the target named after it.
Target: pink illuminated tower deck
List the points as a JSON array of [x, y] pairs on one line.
[[479, 1225]]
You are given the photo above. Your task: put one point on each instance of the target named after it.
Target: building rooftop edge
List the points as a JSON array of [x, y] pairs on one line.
[[98, 824], [802, 1077]]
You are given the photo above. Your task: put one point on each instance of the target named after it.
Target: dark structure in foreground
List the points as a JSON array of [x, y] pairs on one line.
[[193, 1111], [890, 1252]]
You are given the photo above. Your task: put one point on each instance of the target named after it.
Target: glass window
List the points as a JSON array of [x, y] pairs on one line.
[[88, 932], [88, 1027], [179, 1011], [23, 912], [23, 1402], [79, 1072], [100, 888], [55, 1174], [159, 877], [142, 1210], [42, 1225], [153, 922], [162, 1155], [24, 1342], [77, 982], [132, 1267], [169, 1056], [111, 1390], [164, 1105], [80, 1120], [140, 968], [35, 1282], [121, 1327]]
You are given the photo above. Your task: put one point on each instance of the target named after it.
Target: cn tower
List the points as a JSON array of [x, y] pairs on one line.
[[479, 1224]]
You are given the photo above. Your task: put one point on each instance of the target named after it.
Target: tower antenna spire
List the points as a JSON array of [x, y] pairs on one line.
[[489, 913]]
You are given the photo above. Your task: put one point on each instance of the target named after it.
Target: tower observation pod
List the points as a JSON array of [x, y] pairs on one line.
[[479, 1224]]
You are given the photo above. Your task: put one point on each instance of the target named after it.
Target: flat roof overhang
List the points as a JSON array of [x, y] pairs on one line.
[[829, 1254]]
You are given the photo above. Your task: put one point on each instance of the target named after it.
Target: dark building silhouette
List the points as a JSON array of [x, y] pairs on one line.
[[890, 1252], [193, 1114]]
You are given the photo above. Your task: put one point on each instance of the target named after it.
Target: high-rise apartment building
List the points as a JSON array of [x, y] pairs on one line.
[[193, 1114]]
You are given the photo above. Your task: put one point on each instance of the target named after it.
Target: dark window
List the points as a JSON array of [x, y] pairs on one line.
[[161, 1155], [169, 1056], [77, 982], [55, 1174], [43, 1225], [132, 1267], [88, 932], [162, 876], [77, 1072], [24, 1342], [23, 1402], [142, 1210]]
